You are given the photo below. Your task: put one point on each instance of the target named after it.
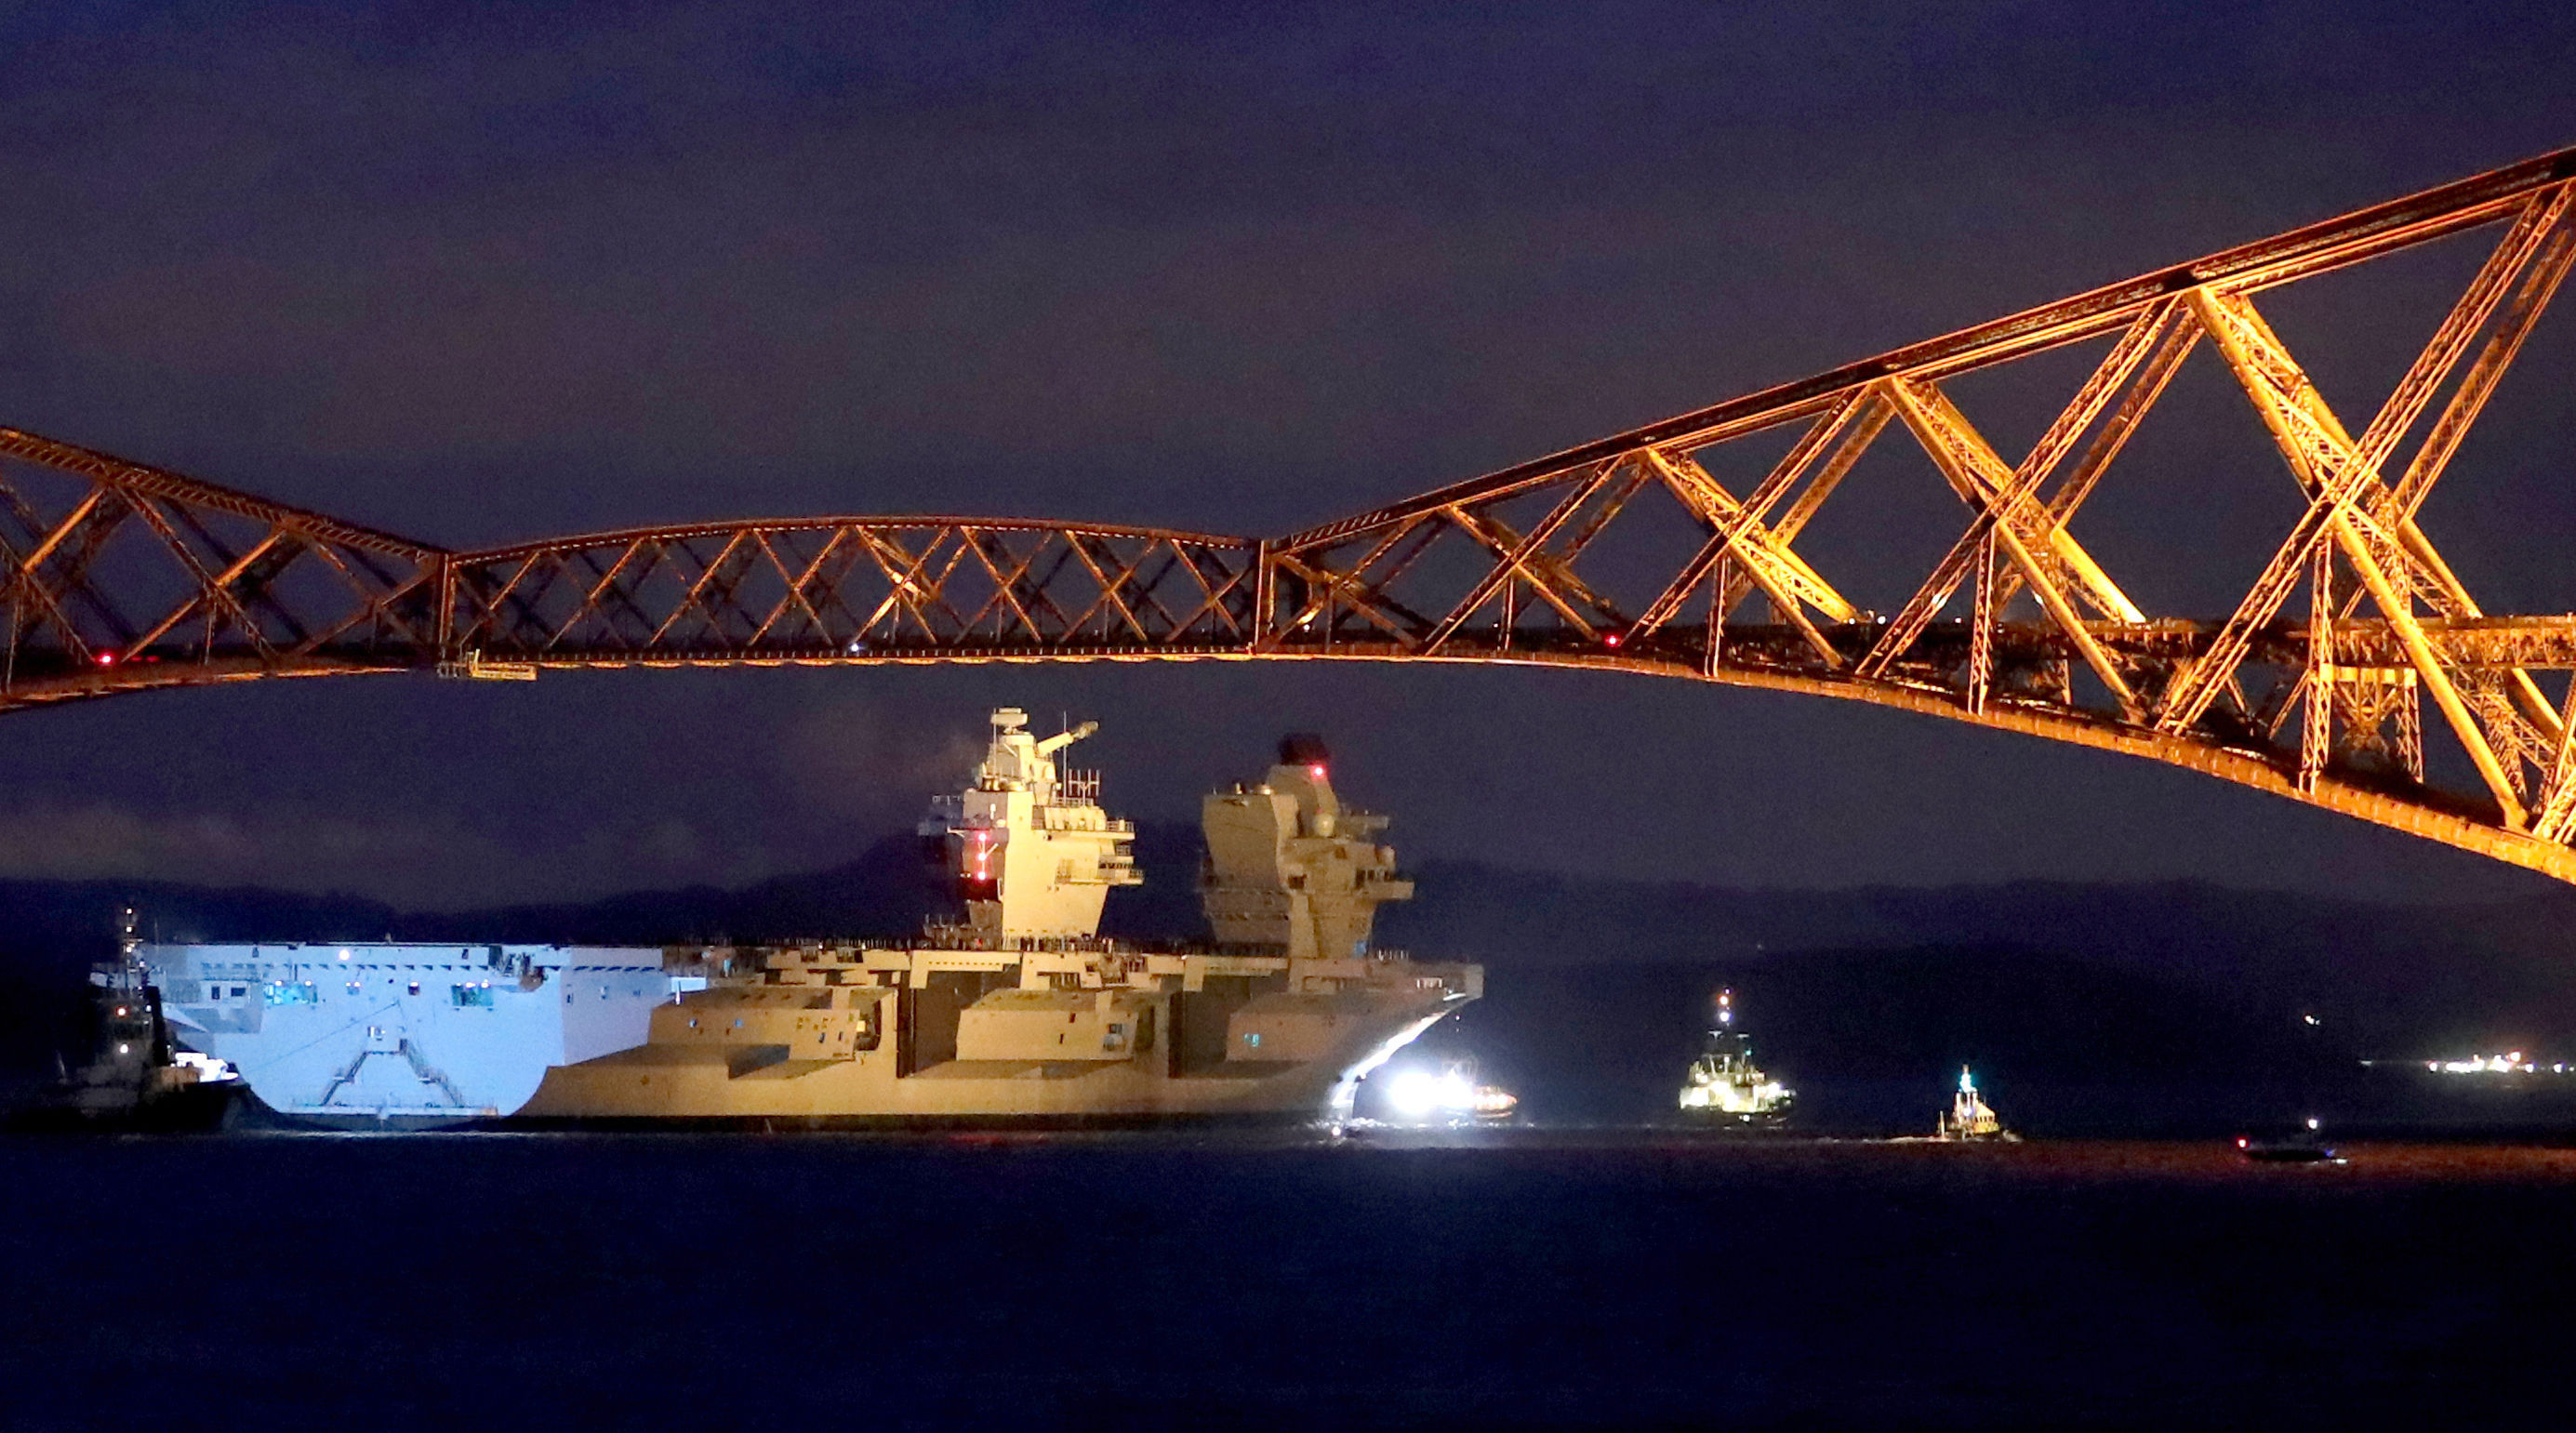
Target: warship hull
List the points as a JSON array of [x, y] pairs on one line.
[[395, 1037], [1278, 1042], [644, 1093]]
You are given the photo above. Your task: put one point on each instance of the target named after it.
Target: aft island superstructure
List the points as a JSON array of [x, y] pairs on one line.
[[1017, 1011]]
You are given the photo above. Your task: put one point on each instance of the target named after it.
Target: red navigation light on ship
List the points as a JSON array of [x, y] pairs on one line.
[[1304, 751]]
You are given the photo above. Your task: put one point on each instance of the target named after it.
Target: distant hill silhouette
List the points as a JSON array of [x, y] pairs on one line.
[[1596, 987], [2392, 979]]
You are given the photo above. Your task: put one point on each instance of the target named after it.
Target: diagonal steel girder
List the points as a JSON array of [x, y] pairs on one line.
[[1458, 574]]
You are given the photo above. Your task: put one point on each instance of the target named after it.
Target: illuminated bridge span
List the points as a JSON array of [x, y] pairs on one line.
[[2355, 649]]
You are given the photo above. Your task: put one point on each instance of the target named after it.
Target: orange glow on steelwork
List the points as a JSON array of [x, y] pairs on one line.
[[2315, 686]]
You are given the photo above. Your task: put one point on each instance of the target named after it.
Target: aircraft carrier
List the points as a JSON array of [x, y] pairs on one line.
[[1015, 1012]]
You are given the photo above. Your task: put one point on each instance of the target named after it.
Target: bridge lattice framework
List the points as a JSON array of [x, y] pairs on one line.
[[116, 576]]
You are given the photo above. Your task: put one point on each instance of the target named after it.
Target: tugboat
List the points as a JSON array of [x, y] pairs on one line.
[[1970, 1117], [1724, 1086], [136, 1080]]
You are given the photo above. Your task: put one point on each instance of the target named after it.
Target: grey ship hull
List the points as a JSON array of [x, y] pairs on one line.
[[386, 1036]]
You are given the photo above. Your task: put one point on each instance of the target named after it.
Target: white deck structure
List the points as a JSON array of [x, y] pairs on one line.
[[378, 1033]]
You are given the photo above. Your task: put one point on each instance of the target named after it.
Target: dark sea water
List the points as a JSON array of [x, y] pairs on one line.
[[1505, 1280]]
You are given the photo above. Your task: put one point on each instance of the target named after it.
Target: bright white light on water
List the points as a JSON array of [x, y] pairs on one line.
[[1418, 1093], [1414, 1093], [1346, 1090]]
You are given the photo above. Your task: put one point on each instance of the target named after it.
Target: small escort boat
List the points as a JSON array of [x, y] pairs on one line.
[[1970, 1117], [2306, 1146]]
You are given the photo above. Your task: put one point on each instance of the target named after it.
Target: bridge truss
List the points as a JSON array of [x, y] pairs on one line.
[[2356, 673]]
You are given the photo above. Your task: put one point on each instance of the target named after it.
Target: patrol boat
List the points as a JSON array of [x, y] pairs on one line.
[[1724, 1086], [1015, 1012]]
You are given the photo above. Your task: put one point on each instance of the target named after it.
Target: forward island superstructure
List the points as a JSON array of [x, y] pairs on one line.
[[1017, 1011], [1025, 825]]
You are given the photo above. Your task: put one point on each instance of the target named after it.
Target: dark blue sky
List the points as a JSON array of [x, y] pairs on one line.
[[479, 278]]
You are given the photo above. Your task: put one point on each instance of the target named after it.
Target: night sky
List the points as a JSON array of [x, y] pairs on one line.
[[1238, 269]]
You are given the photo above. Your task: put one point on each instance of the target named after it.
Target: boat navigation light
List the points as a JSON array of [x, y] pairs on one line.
[[1316, 771]]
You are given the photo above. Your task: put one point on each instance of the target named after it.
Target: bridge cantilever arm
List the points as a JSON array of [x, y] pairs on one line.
[[2301, 253], [161, 483]]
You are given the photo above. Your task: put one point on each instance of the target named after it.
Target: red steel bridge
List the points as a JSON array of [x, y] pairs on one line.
[[2354, 650]]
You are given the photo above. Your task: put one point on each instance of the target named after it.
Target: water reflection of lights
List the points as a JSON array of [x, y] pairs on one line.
[[2511, 1062]]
